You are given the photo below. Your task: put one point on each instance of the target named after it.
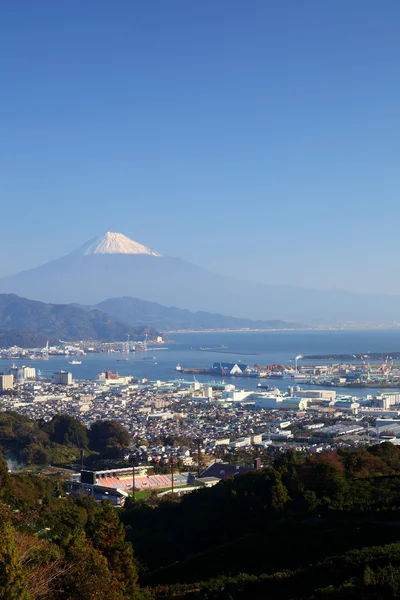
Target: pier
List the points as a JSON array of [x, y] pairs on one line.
[[222, 351]]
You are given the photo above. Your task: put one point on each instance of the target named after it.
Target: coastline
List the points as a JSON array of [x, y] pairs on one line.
[[293, 329]]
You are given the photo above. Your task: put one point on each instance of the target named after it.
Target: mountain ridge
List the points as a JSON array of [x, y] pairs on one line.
[[134, 310], [30, 318]]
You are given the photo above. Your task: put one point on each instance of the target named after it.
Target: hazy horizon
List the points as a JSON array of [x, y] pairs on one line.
[[257, 141]]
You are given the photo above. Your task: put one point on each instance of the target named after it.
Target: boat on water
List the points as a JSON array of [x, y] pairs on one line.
[[149, 358], [74, 362]]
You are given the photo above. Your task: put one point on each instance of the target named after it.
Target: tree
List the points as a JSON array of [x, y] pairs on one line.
[[109, 437], [108, 536], [35, 454], [68, 431], [12, 583], [328, 483], [88, 576], [4, 475]]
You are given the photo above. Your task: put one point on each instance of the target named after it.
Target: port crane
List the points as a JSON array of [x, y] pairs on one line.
[[384, 365], [389, 368], [367, 368]]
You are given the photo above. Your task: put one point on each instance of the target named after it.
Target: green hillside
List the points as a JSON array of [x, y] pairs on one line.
[[304, 527], [35, 322]]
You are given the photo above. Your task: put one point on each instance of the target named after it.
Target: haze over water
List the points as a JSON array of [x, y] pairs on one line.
[[273, 347]]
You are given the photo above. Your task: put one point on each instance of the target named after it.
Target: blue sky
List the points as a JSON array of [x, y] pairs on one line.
[[258, 138]]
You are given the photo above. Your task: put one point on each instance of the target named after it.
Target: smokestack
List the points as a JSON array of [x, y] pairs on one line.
[[257, 464]]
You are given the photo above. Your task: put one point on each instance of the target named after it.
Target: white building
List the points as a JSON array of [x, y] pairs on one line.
[[29, 373], [316, 394], [241, 442], [263, 400], [221, 442], [6, 382], [256, 439], [236, 395]]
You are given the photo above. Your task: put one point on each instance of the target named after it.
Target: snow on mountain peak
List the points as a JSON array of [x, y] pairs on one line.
[[115, 243]]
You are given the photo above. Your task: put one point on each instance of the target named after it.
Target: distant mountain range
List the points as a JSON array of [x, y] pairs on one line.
[[29, 323], [135, 311], [116, 265]]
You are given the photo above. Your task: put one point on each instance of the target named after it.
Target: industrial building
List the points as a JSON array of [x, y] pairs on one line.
[[228, 368], [62, 378], [316, 394], [387, 428], [264, 400], [237, 395]]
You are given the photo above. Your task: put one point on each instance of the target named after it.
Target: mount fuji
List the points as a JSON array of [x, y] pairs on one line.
[[113, 266]]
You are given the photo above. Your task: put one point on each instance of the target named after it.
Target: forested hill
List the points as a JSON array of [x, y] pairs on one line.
[[30, 322], [22, 339], [302, 528], [133, 310]]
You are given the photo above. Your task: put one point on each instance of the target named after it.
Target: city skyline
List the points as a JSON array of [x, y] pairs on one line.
[[259, 138]]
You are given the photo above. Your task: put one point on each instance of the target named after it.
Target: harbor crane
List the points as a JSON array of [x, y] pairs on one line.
[[389, 369], [384, 365], [367, 368]]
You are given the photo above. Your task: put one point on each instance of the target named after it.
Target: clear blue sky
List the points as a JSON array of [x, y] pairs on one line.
[[259, 137]]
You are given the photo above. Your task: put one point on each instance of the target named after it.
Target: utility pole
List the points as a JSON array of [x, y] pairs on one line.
[[82, 459], [172, 474], [133, 478], [198, 458]]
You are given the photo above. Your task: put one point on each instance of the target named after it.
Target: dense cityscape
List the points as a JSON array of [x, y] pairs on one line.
[[181, 417]]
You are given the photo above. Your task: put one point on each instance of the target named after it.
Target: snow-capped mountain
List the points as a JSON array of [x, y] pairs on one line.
[[115, 266], [114, 243]]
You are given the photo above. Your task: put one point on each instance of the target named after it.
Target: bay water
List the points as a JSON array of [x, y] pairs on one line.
[[271, 347]]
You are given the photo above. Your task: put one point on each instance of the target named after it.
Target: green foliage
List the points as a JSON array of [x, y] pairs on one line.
[[12, 582], [108, 437], [280, 528], [61, 548], [88, 576], [326, 526], [68, 431], [4, 476], [58, 441], [108, 536]]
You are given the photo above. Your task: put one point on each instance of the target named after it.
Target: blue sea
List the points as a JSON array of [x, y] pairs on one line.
[[265, 348]]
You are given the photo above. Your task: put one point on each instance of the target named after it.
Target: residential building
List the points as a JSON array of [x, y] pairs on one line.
[[6, 382]]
